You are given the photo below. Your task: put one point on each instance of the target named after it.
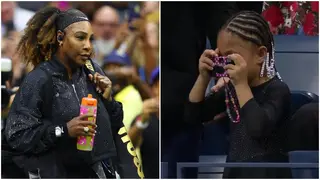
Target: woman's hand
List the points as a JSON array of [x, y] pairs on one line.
[[103, 84], [238, 73], [76, 127]]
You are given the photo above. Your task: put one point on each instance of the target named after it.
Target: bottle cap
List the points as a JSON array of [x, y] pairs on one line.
[[89, 101]]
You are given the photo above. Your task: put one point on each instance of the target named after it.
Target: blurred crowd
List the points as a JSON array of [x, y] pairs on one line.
[[126, 46], [292, 18]]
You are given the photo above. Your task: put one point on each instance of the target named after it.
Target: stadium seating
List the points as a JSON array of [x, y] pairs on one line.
[[300, 98], [304, 157]]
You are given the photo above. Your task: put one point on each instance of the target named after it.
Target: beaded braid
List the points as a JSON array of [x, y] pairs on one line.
[[252, 27]]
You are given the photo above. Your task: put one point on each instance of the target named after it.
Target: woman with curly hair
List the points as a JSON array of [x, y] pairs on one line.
[[43, 128]]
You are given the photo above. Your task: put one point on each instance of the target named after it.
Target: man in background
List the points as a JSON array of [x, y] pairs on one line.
[[123, 90], [105, 24], [13, 18]]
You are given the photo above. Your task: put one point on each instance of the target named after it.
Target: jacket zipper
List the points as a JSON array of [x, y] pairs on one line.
[[75, 92]]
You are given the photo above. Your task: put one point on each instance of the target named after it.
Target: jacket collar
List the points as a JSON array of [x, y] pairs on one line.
[[59, 68]]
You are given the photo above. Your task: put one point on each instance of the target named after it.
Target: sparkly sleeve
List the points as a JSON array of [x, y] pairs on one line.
[[115, 111], [114, 108], [261, 119], [205, 110], [26, 128]]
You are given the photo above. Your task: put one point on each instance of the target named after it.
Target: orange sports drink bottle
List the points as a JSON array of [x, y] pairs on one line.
[[88, 106]]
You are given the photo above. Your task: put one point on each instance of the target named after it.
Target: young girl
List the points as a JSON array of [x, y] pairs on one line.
[[253, 97]]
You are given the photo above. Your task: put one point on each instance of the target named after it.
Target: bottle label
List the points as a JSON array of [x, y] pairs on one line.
[[86, 142]]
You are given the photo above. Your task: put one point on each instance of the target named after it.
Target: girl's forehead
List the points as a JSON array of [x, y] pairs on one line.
[[228, 41]]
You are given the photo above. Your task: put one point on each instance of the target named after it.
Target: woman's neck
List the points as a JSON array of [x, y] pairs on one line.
[[66, 63]]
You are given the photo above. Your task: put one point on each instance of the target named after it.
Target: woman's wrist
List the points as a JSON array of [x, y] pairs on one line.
[[109, 100], [58, 131], [107, 96]]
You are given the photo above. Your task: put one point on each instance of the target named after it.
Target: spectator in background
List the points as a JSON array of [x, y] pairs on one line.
[[123, 90], [127, 47], [105, 24], [149, 7], [144, 131], [139, 37], [121, 6], [88, 8], [34, 5], [13, 18], [152, 36], [62, 5], [19, 69], [131, 43], [150, 12]]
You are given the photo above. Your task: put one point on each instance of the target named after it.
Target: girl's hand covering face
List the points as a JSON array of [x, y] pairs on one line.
[[220, 84], [206, 64], [238, 73]]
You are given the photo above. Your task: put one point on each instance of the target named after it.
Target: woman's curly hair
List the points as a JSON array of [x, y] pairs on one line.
[[39, 40]]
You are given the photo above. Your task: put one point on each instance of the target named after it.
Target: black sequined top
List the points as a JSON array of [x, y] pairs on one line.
[[261, 133]]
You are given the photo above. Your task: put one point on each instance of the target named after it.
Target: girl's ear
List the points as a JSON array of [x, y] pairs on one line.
[[261, 54]]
